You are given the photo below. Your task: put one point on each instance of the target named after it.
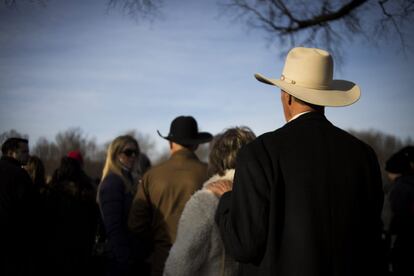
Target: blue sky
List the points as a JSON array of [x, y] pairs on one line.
[[77, 64]]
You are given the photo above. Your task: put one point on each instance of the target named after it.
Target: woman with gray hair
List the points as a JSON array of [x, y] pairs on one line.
[[198, 248]]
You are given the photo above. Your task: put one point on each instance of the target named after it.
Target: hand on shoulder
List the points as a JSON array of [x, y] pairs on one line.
[[219, 187]]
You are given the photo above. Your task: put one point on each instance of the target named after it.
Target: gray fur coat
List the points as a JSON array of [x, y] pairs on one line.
[[198, 249]]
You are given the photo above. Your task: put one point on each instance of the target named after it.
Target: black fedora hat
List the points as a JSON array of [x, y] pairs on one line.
[[184, 131]]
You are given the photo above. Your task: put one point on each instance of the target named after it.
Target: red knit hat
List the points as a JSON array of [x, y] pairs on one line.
[[76, 154]]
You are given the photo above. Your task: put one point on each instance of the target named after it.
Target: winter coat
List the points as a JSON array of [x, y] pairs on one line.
[[198, 249], [402, 224], [160, 200], [306, 200], [19, 223], [115, 202], [71, 215]]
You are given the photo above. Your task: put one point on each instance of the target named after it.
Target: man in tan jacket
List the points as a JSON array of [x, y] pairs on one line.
[[166, 188]]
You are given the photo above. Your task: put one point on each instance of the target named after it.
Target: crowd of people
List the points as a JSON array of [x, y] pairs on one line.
[[305, 199]]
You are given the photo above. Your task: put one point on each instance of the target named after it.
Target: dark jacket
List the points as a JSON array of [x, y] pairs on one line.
[[71, 216], [115, 203], [125, 250], [402, 206], [18, 219], [306, 200], [402, 224]]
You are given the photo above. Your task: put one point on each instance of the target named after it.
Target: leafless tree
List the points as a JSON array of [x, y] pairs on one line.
[[45, 150], [163, 156], [145, 141], [137, 9], [75, 139], [15, 3], [325, 23], [71, 139], [383, 144]]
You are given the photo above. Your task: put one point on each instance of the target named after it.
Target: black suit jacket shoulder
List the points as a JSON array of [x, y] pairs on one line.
[[306, 200]]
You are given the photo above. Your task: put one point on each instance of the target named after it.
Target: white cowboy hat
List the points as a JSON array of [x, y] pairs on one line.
[[307, 75]]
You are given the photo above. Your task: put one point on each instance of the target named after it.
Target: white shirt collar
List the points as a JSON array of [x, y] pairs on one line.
[[297, 115]]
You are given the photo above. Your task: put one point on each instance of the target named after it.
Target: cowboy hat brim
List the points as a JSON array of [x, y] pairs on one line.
[[341, 92], [202, 137]]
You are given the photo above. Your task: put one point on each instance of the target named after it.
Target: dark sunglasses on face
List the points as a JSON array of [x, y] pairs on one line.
[[130, 152]]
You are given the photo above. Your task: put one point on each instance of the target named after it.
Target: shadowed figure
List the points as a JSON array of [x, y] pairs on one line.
[[166, 188], [198, 249], [19, 206], [71, 217], [401, 175], [115, 193], [307, 197]]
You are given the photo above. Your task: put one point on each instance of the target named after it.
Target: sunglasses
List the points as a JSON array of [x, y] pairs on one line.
[[130, 152]]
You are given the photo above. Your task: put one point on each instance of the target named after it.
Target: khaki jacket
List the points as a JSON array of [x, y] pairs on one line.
[[160, 200]]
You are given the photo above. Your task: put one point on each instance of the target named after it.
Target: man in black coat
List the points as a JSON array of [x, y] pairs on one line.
[[18, 205], [307, 197], [401, 175]]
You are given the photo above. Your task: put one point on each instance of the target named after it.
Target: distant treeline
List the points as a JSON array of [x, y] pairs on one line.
[[50, 152], [94, 155]]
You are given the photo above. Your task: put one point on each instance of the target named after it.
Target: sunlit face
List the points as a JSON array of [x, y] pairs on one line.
[[128, 155], [21, 154]]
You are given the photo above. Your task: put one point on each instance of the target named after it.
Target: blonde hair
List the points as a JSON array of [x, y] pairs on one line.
[[225, 147], [112, 164]]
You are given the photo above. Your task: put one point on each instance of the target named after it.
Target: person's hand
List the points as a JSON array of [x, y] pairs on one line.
[[220, 187]]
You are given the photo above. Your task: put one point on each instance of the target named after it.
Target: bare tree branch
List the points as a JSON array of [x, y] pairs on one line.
[[137, 9], [327, 16], [401, 13], [325, 23], [9, 3], [13, 3], [281, 12]]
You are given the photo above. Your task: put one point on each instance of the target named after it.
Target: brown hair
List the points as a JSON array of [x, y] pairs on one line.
[[225, 147]]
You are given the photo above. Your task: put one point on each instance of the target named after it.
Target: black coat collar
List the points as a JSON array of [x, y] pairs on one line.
[[313, 115], [11, 161]]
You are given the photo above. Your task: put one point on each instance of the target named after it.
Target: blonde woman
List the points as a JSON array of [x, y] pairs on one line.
[[115, 194], [198, 249]]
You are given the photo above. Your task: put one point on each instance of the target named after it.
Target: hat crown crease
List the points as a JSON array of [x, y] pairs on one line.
[[310, 69], [184, 128]]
